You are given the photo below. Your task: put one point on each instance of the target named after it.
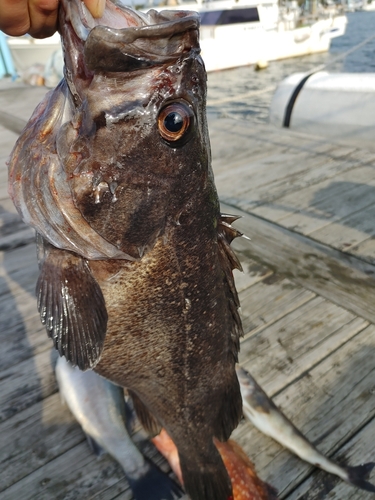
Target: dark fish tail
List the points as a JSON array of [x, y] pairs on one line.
[[357, 476], [272, 493], [207, 480], [154, 485]]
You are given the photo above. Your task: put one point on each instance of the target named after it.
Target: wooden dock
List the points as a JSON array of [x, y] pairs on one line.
[[308, 308]]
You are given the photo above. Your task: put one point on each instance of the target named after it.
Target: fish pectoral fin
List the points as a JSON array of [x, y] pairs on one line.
[[71, 306], [147, 420]]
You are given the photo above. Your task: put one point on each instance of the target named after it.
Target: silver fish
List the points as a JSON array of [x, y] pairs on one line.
[[99, 407], [265, 416]]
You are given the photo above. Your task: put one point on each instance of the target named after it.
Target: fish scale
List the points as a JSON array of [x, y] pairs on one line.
[[136, 271]]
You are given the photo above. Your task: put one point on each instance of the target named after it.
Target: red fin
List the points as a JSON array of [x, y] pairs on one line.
[[245, 481]]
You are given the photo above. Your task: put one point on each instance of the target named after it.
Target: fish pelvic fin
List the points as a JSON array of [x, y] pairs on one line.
[[95, 446], [71, 306], [357, 476], [154, 485], [144, 415], [207, 480]]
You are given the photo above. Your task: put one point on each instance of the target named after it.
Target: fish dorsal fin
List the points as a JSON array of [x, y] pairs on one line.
[[71, 306], [229, 261], [147, 420]]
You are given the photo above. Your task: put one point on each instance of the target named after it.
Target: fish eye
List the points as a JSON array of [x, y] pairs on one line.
[[175, 121]]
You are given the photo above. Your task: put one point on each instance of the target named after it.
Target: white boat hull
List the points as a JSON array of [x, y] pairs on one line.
[[240, 45], [27, 51], [224, 46], [339, 106]]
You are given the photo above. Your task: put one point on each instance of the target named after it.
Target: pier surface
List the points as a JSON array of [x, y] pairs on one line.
[[308, 309]]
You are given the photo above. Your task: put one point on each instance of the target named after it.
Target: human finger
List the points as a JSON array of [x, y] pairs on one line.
[[96, 7], [14, 17], [43, 17]]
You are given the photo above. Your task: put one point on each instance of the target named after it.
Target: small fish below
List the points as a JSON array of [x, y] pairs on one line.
[[99, 407], [265, 416]]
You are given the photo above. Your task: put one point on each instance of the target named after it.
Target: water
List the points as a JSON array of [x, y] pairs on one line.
[[252, 90]]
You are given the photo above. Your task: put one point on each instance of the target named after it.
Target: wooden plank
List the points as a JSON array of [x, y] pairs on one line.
[[17, 239], [226, 131], [11, 122], [358, 450], [39, 441], [268, 198], [349, 232], [7, 141], [24, 257], [317, 203], [281, 353], [269, 300], [330, 404], [20, 100], [252, 273], [344, 279], [23, 341], [74, 474], [348, 197], [26, 383], [254, 178], [365, 250], [10, 221], [18, 269], [7, 207], [34, 437], [237, 143]]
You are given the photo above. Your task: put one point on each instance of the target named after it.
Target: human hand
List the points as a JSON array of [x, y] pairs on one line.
[[36, 17]]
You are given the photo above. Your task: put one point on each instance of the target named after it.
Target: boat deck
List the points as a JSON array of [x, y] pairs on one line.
[[308, 310]]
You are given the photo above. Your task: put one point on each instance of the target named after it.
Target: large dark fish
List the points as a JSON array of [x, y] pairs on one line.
[[113, 171], [99, 407]]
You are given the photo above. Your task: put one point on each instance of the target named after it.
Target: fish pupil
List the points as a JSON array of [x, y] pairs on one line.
[[173, 122]]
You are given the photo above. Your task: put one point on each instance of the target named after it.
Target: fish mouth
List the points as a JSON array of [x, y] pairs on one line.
[[116, 15], [124, 39]]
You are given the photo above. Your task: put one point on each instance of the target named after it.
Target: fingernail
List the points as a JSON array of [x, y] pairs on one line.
[[96, 7]]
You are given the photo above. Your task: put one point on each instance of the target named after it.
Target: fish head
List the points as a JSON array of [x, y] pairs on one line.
[[136, 149]]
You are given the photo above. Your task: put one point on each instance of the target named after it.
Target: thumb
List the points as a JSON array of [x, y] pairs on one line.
[[96, 7]]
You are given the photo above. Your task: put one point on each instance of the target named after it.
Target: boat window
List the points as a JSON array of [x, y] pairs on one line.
[[233, 16]]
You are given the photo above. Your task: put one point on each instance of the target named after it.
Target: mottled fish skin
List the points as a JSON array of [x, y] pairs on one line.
[[98, 406], [265, 415], [114, 168]]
